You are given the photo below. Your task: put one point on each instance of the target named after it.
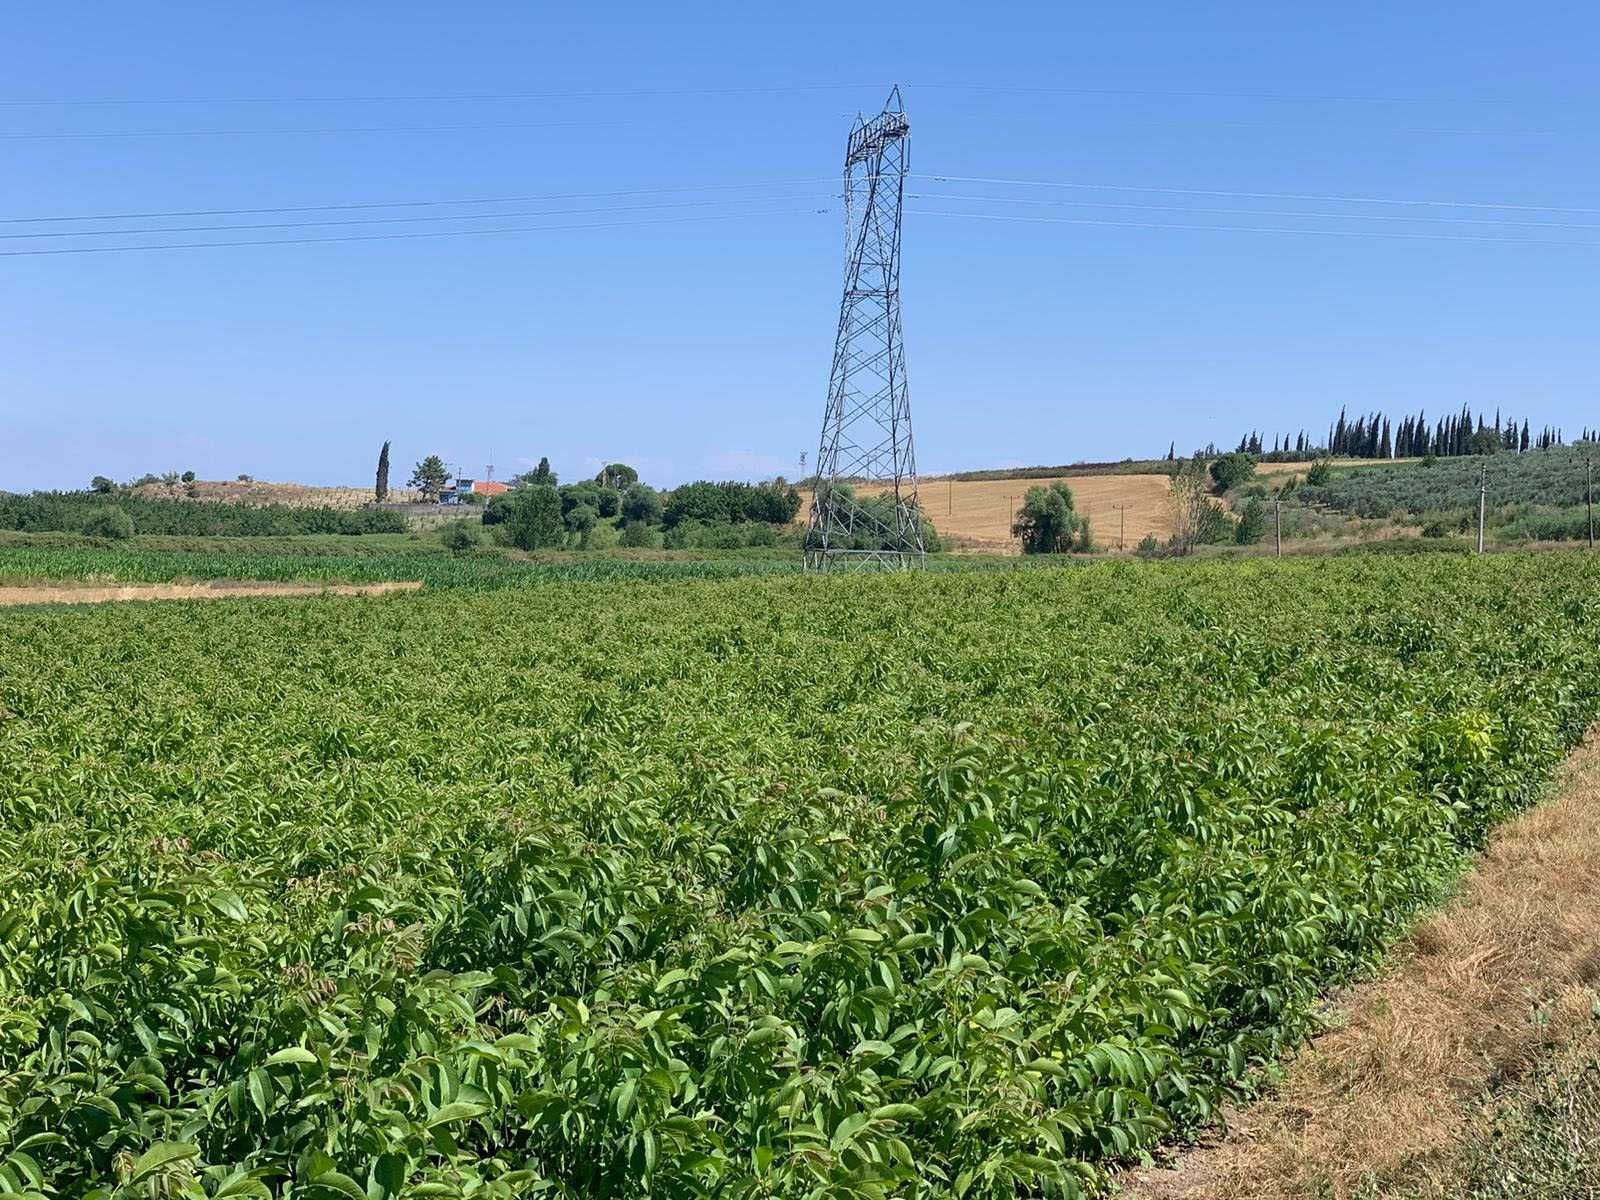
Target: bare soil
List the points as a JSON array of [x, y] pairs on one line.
[[66, 593], [1503, 975]]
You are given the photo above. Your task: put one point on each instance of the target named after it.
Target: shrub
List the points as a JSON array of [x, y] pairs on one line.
[[1319, 474], [1231, 470], [636, 535], [1252, 526], [1148, 547], [461, 536], [188, 477], [110, 522], [101, 485], [580, 520]]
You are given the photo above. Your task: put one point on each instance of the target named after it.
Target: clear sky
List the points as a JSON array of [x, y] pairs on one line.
[[700, 347]]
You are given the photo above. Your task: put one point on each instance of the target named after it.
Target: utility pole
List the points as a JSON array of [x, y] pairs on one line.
[[1483, 492], [949, 496], [1122, 525], [1277, 522], [1588, 493]]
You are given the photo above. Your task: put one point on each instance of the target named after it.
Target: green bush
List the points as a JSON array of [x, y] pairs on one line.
[[1231, 470], [1252, 525], [461, 536], [636, 535], [110, 522]]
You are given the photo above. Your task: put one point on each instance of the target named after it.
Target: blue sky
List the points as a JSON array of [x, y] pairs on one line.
[[700, 347]]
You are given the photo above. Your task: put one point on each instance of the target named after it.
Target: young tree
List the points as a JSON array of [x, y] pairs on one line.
[[429, 477], [540, 476], [581, 521], [380, 491], [642, 504], [532, 516], [1048, 522], [1252, 525], [187, 477], [1231, 470], [1190, 494]]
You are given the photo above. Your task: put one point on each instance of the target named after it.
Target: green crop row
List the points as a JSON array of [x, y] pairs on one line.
[[944, 884]]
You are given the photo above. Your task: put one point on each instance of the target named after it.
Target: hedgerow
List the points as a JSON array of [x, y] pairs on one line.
[[849, 887]]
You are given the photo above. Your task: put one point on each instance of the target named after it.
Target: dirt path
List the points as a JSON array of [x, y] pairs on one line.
[[61, 593], [1501, 976]]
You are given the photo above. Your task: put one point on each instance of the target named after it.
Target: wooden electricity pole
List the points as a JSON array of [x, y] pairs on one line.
[[1277, 522], [1483, 492], [1588, 493]]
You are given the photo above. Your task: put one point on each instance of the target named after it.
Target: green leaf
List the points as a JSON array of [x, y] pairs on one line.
[[160, 1155], [229, 905], [460, 1110], [298, 1055]]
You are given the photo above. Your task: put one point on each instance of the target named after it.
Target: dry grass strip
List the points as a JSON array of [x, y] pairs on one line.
[[1507, 970], [92, 594]]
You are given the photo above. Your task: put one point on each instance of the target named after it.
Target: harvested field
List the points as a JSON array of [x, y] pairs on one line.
[[978, 512], [220, 590]]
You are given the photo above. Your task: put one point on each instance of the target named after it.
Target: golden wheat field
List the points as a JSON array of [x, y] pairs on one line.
[[978, 512]]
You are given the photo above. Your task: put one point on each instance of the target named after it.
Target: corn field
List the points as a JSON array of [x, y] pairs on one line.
[[963, 884]]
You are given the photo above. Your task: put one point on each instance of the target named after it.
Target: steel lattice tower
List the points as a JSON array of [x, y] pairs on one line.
[[866, 428]]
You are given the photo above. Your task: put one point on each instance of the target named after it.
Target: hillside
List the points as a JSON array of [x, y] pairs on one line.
[[1547, 478]]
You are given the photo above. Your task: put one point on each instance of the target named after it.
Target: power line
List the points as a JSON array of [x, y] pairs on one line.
[[464, 98], [1169, 93], [1120, 187], [160, 133], [387, 237], [1258, 212], [945, 85], [489, 216], [300, 208], [1345, 233]]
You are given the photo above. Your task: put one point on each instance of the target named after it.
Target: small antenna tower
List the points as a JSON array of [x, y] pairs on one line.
[[866, 427]]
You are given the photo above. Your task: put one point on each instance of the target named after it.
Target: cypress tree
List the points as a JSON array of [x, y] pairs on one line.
[[380, 491]]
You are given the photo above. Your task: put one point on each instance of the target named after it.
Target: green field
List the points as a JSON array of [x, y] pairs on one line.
[[964, 883]]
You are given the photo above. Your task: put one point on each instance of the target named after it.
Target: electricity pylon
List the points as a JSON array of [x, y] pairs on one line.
[[866, 427]]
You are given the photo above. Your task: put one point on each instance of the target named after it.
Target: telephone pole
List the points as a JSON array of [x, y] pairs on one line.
[[1588, 493], [1277, 522], [1122, 525], [1483, 493]]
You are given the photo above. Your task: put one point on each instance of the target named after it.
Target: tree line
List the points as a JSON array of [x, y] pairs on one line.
[[1380, 435]]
